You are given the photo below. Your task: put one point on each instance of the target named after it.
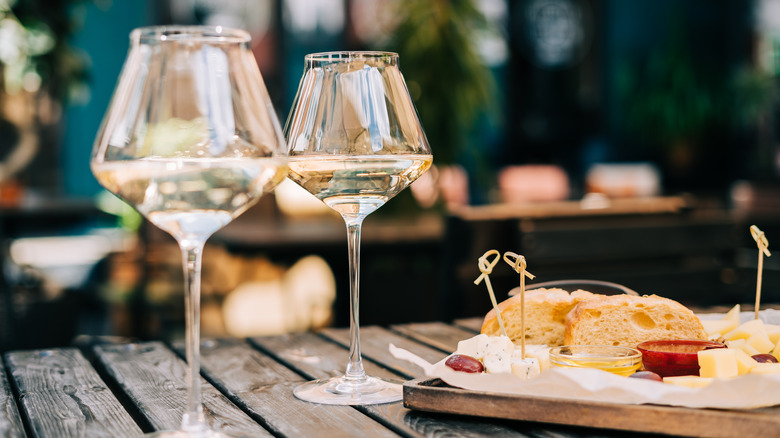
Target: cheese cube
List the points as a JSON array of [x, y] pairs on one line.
[[538, 352], [718, 362], [525, 369], [761, 342], [474, 347], [689, 381], [498, 355], [744, 362], [766, 368], [498, 363], [746, 330], [499, 345]]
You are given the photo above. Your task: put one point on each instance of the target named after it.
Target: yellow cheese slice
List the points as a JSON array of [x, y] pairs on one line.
[[766, 368], [746, 330], [741, 344], [776, 351], [761, 342], [717, 326], [689, 381], [773, 331], [733, 315]]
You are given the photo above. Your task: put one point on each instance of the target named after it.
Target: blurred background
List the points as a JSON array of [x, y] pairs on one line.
[[632, 141]]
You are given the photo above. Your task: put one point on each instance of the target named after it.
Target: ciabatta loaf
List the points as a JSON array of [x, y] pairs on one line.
[[545, 313], [627, 320]]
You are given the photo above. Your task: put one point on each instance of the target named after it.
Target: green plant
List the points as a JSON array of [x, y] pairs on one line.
[[34, 49], [449, 83], [667, 99], [672, 98], [752, 92]]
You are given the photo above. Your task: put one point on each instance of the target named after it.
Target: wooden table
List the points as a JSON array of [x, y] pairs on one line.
[[122, 390]]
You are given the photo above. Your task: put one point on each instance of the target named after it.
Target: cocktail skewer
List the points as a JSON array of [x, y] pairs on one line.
[[517, 262], [763, 248], [486, 267]]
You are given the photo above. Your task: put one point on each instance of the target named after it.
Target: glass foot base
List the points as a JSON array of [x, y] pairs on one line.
[[340, 391]]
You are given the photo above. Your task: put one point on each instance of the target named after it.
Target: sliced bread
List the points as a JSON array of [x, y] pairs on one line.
[[545, 312], [627, 320]]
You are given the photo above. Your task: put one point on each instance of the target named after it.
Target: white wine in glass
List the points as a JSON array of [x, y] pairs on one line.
[[190, 139], [357, 185], [355, 141]]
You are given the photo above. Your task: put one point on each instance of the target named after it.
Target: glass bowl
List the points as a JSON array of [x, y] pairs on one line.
[[622, 361]]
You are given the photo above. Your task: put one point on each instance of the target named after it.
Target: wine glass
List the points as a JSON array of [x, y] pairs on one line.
[[355, 141], [190, 139]]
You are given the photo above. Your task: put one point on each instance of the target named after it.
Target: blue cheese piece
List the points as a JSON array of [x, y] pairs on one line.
[[498, 355], [498, 363], [499, 345], [474, 347], [540, 352], [525, 369]]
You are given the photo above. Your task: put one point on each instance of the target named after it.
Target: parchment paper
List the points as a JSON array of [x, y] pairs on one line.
[[743, 392]]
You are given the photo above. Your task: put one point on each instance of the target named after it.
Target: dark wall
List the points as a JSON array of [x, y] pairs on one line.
[[575, 111]]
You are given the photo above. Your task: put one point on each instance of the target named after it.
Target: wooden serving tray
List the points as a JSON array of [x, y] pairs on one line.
[[433, 395]]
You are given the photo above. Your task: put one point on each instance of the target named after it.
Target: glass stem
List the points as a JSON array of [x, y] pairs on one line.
[[192, 255], [355, 372]]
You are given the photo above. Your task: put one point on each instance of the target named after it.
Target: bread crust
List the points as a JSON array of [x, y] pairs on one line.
[[545, 311], [628, 320]]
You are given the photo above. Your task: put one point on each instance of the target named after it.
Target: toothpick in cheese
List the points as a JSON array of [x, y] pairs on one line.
[[517, 262]]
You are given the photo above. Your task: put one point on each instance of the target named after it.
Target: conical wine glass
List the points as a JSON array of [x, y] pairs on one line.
[[190, 139], [355, 141]]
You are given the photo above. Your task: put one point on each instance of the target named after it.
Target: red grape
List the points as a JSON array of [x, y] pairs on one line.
[[467, 364], [764, 358], [648, 375]]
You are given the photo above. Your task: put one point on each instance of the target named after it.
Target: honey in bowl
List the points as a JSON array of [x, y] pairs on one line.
[[622, 361], [676, 357]]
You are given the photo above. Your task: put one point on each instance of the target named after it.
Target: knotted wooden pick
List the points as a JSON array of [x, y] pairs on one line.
[[517, 262], [763, 248], [486, 267]]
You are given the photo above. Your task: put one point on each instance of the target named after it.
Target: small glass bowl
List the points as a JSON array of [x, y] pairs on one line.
[[622, 361]]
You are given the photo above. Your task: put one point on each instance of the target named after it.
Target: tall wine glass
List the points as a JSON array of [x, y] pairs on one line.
[[190, 139], [355, 141]]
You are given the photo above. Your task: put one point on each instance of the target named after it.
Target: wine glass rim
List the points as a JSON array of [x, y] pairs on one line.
[[350, 55], [212, 34]]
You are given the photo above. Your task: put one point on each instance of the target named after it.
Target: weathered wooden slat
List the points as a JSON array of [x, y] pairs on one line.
[[154, 379], [63, 396], [318, 359], [10, 422], [374, 344], [264, 388], [313, 356], [436, 334], [471, 324]]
